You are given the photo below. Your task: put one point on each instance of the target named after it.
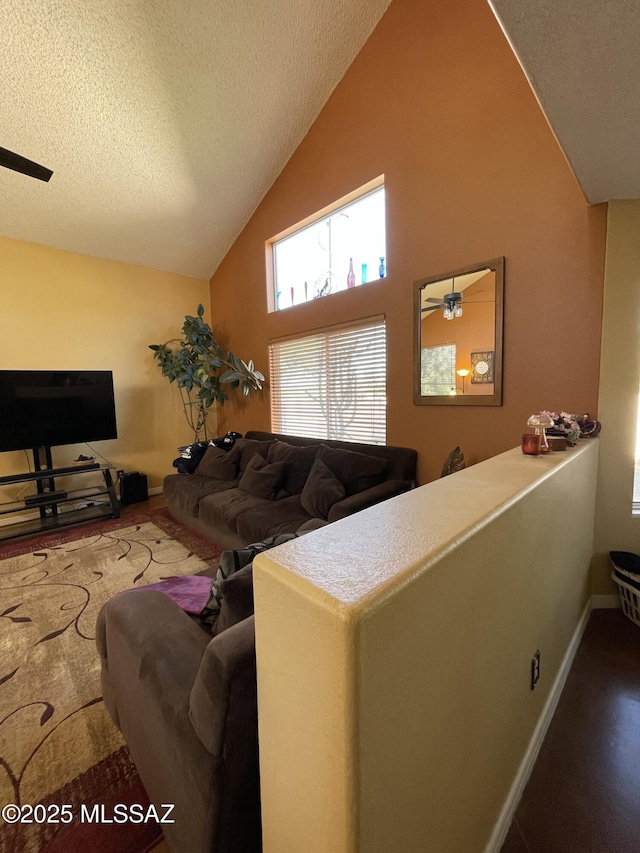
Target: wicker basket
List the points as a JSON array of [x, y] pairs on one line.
[[629, 599]]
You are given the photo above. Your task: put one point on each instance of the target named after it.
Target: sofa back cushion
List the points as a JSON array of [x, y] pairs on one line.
[[321, 490], [297, 463], [227, 663], [356, 471], [401, 461], [219, 464], [235, 595], [223, 709]]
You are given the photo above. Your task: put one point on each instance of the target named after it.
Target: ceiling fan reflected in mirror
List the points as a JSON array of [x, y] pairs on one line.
[[451, 302], [26, 167]]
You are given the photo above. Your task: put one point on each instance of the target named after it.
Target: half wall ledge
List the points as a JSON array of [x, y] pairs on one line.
[[394, 650]]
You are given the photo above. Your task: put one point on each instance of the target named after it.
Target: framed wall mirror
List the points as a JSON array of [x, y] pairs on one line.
[[458, 337]]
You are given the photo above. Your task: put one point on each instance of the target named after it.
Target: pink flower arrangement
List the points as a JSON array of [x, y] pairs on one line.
[[565, 425]]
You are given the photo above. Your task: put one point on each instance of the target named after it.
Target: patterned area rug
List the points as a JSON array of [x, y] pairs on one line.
[[57, 743]]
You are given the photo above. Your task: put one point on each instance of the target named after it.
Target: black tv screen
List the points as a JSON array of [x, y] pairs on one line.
[[45, 408]]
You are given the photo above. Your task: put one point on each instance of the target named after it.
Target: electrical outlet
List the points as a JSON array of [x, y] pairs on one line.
[[535, 669]]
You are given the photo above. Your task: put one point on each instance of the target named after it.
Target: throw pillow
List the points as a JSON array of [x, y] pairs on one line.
[[321, 490], [220, 464], [262, 478], [236, 600], [297, 463], [356, 471]]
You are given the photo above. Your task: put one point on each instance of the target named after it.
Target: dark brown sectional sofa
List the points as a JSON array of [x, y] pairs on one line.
[[185, 696], [269, 484]]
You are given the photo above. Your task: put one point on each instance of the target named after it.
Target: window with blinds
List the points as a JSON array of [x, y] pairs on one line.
[[438, 370], [332, 383]]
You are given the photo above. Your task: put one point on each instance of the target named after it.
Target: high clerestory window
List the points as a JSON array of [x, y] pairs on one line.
[[332, 383], [337, 248]]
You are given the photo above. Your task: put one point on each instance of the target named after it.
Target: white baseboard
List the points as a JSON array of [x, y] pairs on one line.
[[605, 602], [157, 490], [501, 828]]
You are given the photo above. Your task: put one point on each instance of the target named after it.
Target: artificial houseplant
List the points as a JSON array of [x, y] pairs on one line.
[[200, 368]]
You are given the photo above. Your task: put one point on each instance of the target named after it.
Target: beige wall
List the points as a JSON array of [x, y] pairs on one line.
[[394, 652], [64, 310], [616, 528], [437, 102]]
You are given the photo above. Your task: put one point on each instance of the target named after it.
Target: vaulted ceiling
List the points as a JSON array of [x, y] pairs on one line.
[[581, 59], [166, 122]]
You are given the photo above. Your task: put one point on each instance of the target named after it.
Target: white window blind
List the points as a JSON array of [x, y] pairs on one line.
[[438, 370], [332, 383]]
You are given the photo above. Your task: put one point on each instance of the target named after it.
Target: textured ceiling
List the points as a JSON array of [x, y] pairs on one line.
[[581, 58], [164, 122]]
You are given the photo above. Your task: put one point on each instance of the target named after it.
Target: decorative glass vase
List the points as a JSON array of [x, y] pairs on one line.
[[351, 276]]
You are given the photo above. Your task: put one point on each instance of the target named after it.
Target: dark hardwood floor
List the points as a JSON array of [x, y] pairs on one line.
[[153, 502], [583, 795]]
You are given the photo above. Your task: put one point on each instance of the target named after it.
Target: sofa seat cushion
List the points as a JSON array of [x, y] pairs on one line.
[[186, 491], [356, 471], [269, 519], [222, 509], [297, 462]]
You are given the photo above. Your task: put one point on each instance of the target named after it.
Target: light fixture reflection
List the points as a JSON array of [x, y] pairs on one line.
[[463, 373]]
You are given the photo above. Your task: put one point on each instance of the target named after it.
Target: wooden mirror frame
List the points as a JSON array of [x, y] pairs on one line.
[[495, 399]]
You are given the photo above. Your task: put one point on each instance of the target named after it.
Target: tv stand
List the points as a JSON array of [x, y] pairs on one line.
[[50, 501]]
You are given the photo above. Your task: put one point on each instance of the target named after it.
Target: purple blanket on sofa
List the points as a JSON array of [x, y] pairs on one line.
[[190, 592]]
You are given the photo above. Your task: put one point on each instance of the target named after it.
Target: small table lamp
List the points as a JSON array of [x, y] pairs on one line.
[[540, 423]]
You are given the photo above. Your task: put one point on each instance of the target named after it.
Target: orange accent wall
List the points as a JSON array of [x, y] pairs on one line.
[[437, 102]]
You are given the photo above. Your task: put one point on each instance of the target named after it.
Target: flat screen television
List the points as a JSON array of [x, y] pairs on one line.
[[45, 408]]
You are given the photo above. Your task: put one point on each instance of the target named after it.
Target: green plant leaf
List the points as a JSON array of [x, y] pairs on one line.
[[197, 363]]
